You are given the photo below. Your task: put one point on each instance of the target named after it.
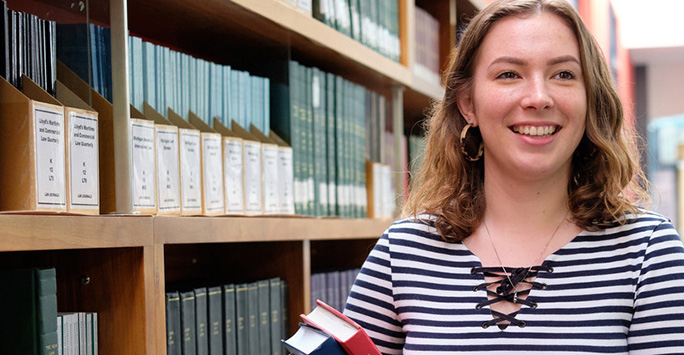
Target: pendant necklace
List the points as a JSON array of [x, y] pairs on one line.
[[541, 254]]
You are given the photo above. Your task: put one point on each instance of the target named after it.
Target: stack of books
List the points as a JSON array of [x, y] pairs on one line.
[[325, 331]]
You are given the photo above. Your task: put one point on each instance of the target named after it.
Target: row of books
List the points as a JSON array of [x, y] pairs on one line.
[[233, 319], [375, 23], [165, 78], [77, 333], [86, 48], [27, 46], [324, 119], [427, 46], [332, 287]]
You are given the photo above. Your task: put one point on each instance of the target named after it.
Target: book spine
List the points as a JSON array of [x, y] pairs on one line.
[[264, 323], [275, 316], [241, 326], [215, 323], [46, 310], [173, 324], [189, 338], [229, 321], [201, 321]]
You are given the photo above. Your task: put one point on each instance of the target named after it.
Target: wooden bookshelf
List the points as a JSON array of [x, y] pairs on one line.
[[120, 265]]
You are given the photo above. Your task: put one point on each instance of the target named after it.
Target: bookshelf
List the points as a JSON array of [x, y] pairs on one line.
[[120, 265]]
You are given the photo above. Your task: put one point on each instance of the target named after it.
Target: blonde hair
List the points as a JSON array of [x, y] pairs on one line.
[[604, 167]]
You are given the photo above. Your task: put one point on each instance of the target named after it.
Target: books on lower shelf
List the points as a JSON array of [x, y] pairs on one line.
[[77, 333], [29, 300], [332, 287], [351, 337], [241, 318]]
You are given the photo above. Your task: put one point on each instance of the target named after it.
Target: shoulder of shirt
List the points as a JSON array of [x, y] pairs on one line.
[[423, 224], [644, 219]]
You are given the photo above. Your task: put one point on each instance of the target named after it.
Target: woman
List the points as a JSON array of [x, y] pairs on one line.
[[520, 236]]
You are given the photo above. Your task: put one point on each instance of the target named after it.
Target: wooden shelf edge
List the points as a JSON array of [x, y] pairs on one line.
[[54, 232], [310, 28], [192, 230]]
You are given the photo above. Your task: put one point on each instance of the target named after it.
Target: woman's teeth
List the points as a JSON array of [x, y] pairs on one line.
[[535, 130]]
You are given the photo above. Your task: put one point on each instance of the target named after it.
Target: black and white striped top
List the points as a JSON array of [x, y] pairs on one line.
[[618, 291]]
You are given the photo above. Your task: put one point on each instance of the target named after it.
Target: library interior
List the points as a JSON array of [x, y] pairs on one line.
[[188, 177]]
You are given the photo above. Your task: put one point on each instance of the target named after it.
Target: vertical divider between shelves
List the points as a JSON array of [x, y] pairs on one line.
[[122, 134], [398, 128], [155, 311], [306, 272]]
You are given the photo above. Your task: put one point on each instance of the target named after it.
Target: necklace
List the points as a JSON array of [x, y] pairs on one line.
[[508, 275]]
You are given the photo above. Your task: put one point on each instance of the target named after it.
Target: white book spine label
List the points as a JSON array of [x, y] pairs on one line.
[[50, 158], [252, 177], [235, 201], [285, 181], [144, 180], [191, 185], [168, 170], [270, 179], [213, 173], [84, 160]]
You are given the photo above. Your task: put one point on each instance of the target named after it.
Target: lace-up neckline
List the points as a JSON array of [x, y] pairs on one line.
[[507, 285]]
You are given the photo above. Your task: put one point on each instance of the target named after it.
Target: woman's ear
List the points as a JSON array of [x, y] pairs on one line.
[[465, 106]]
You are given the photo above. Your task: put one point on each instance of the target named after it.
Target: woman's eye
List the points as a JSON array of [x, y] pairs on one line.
[[566, 75], [507, 75]]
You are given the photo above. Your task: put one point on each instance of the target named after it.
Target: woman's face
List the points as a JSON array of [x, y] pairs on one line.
[[528, 97]]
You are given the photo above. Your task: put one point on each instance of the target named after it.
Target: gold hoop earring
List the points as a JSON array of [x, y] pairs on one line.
[[475, 138]]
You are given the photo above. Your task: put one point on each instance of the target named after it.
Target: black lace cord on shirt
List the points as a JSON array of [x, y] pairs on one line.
[[503, 291]]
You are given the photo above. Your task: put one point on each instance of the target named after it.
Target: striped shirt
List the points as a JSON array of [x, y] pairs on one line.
[[619, 290]]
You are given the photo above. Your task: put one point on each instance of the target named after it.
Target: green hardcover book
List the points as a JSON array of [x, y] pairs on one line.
[[339, 147], [264, 321], [252, 318], [173, 324], [318, 107], [348, 148], [304, 139], [201, 321], [241, 327], [310, 142], [286, 106], [188, 323], [361, 151], [284, 308], [229, 322], [330, 142], [275, 318], [215, 324], [29, 299]]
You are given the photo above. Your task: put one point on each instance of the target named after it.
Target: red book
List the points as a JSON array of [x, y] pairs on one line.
[[350, 335]]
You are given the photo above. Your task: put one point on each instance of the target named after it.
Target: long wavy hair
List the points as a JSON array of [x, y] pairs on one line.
[[605, 169]]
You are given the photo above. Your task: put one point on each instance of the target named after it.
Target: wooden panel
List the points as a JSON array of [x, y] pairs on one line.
[[155, 300], [36, 232], [327, 255], [107, 281]]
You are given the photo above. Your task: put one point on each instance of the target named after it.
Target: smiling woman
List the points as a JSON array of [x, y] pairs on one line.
[[520, 216]]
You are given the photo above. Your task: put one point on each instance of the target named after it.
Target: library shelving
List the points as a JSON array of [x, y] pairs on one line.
[[119, 265]]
